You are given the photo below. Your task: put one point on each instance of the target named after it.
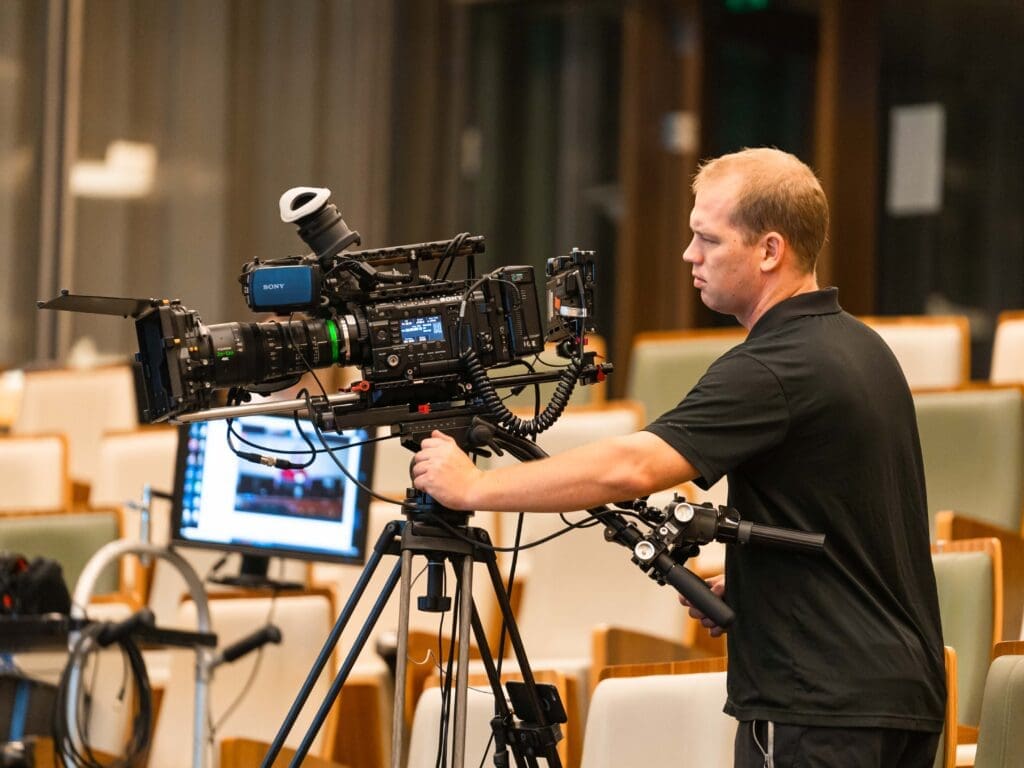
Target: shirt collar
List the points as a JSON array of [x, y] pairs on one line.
[[820, 302]]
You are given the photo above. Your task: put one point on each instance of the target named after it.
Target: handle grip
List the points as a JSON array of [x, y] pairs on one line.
[[785, 538], [696, 590], [257, 639]]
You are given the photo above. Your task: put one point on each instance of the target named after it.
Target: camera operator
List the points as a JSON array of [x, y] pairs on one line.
[[834, 659]]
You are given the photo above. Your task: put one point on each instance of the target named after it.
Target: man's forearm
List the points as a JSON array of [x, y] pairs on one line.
[[605, 471]]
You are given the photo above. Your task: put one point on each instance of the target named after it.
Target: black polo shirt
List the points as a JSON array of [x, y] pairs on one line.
[[813, 423]]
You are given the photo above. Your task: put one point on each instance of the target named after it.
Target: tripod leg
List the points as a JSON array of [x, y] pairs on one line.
[[466, 612], [401, 663], [346, 668], [390, 532], [501, 708], [516, 640]]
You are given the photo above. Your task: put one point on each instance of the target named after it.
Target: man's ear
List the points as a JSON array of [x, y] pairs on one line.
[[774, 247]]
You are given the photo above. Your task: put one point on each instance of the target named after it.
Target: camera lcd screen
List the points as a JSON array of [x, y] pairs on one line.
[[421, 329], [225, 502]]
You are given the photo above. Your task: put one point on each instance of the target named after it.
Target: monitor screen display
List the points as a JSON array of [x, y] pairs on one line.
[[223, 501]]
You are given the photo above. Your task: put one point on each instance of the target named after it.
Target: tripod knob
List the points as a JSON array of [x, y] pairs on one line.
[[435, 601]]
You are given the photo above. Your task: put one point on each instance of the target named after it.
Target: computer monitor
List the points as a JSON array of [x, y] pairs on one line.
[[225, 502]]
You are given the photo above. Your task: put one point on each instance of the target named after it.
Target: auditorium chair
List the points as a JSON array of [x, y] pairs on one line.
[[11, 384], [933, 350], [79, 403], [1002, 710], [664, 365], [423, 738], [660, 716], [254, 693], [1008, 349], [968, 574], [70, 538], [34, 474], [972, 441], [129, 461]]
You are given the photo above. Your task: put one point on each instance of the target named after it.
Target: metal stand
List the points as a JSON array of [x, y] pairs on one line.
[[113, 552], [430, 531]]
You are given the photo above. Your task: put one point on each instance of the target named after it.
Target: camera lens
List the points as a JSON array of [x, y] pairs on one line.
[[245, 353]]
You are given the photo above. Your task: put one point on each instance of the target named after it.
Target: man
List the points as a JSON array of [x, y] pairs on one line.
[[834, 659]]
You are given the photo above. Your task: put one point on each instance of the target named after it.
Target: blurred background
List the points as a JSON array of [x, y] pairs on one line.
[[144, 144]]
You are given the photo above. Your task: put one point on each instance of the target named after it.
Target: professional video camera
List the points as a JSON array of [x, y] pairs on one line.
[[418, 337]]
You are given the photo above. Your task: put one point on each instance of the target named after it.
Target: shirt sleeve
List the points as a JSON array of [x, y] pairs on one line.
[[737, 411]]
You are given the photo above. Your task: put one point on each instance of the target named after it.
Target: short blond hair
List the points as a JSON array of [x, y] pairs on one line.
[[777, 192]]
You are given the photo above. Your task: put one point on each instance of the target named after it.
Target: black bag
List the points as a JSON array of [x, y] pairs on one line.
[[32, 587]]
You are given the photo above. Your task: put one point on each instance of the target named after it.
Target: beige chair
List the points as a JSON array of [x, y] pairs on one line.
[[933, 350], [968, 575], [12, 383], [1002, 710], [250, 697], [82, 404], [660, 716], [34, 474], [1008, 349], [129, 461], [391, 466], [423, 738]]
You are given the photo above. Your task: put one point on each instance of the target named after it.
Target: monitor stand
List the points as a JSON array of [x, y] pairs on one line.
[[252, 574]]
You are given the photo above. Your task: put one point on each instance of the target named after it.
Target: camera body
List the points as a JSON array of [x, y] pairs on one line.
[[408, 331]]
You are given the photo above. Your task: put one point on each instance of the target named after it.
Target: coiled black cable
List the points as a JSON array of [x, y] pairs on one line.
[[73, 746], [503, 416]]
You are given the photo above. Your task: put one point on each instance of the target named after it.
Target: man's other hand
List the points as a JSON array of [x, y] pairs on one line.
[[717, 585]]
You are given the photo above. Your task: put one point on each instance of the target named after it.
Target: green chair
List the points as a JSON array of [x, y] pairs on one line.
[[664, 365], [968, 575], [70, 539], [1000, 742], [973, 445], [972, 441]]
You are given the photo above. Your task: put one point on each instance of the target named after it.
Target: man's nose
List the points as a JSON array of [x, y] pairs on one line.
[[690, 253]]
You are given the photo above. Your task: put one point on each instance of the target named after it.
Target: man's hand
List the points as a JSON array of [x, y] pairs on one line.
[[717, 585], [441, 469]]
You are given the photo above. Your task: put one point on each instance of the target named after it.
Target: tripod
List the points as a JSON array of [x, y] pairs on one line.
[[440, 535]]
